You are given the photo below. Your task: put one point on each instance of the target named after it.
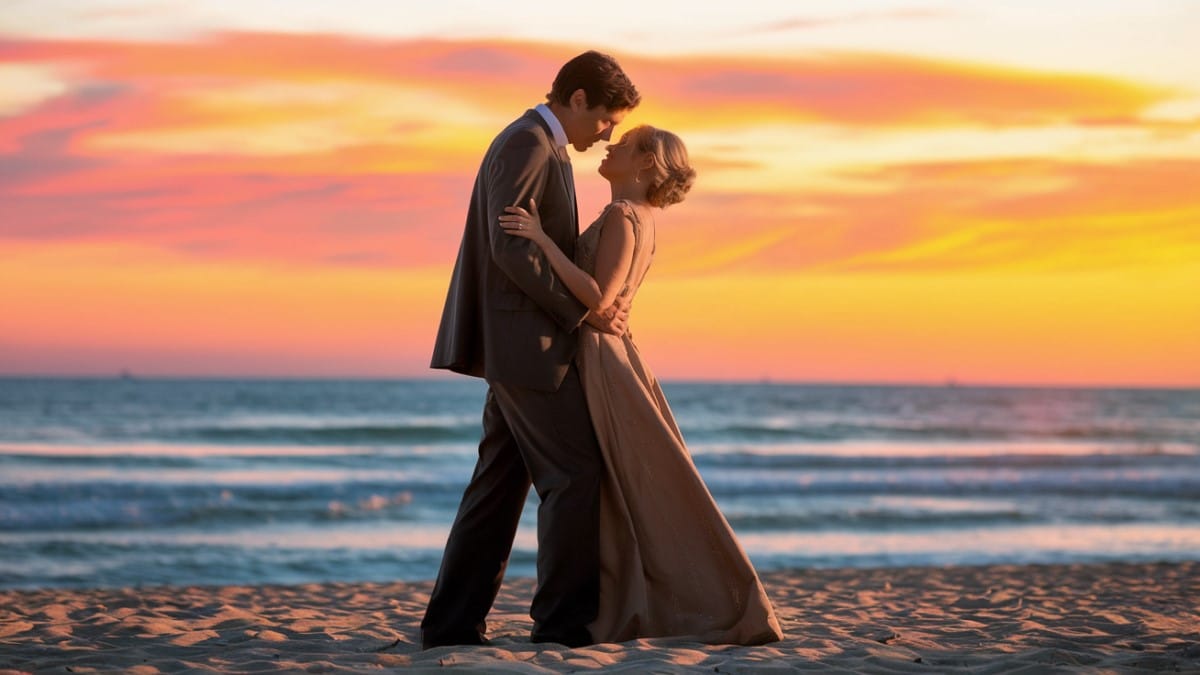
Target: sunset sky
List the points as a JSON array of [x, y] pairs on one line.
[[889, 191]]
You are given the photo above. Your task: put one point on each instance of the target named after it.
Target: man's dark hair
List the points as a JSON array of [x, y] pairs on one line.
[[600, 78]]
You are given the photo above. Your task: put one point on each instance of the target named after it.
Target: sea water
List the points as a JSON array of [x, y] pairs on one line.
[[125, 482]]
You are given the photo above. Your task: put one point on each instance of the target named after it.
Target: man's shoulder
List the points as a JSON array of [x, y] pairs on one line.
[[525, 131]]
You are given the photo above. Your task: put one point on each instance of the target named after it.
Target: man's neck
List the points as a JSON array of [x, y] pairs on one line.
[[559, 133]]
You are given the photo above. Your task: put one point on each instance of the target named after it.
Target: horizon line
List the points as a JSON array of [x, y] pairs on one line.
[[948, 383]]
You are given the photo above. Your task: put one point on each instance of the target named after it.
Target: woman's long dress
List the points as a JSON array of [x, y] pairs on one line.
[[670, 565]]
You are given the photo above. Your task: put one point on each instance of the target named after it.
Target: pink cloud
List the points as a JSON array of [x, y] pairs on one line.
[[337, 205]]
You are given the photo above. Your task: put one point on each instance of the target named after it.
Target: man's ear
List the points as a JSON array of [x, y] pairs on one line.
[[579, 100]]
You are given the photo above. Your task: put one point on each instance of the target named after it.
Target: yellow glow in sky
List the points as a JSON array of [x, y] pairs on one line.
[[885, 194]]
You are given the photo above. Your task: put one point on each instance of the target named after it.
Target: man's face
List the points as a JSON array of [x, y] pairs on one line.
[[588, 125]]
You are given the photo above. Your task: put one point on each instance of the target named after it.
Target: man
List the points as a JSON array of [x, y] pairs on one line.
[[510, 320]]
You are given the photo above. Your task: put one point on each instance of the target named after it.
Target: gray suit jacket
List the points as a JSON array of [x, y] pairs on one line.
[[508, 317]]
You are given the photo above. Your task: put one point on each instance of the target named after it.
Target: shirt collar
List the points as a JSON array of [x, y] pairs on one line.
[[556, 127]]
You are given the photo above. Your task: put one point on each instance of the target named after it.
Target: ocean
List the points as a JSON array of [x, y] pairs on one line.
[[128, 482]]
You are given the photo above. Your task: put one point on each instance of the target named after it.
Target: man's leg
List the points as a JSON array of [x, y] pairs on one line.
[[554, 432], [480, 540]]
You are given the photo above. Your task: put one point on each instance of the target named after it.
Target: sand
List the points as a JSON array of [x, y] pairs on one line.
[[1001, 619]]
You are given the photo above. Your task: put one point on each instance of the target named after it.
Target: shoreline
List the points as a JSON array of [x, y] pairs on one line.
[[1131, 617]]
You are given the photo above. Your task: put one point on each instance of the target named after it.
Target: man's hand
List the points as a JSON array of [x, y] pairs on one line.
[[614, 320]]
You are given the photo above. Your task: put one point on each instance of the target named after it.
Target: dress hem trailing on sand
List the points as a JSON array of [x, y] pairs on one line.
[[670, 563]]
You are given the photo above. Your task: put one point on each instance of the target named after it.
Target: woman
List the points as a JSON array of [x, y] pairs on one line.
[[670, 563]]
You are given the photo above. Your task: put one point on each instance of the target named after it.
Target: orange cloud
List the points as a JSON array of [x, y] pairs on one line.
[[368, 196], [208, 201], [941, 217], [843, 88], [881, 90]]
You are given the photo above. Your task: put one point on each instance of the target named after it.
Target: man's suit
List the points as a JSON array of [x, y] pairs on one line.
[[509, 319]]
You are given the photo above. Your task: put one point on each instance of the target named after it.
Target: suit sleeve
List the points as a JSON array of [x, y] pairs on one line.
[[520, 170]]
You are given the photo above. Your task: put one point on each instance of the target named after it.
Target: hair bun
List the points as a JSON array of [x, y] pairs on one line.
[[673, 188], [675, 174]]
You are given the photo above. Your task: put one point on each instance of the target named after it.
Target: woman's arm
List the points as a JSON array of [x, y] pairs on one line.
[[614, 255]]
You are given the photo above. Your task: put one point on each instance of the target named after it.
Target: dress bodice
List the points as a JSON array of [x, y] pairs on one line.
[[643, 247]]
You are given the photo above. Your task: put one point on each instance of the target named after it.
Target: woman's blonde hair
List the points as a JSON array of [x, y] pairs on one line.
[[671, 176]]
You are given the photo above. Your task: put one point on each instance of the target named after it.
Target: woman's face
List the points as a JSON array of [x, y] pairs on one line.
[[621, 160]]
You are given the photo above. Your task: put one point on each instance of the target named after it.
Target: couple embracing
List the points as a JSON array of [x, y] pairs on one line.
[[630, 542]]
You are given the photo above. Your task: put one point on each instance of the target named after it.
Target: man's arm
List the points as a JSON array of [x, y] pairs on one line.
[[520, 171]]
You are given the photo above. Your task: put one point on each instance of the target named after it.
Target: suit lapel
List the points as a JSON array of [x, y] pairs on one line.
[[568, 177], [564, 169]]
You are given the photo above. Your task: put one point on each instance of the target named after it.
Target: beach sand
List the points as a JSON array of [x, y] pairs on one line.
[[998, 619]]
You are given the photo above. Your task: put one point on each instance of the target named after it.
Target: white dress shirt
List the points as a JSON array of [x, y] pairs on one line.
[[556, 127]]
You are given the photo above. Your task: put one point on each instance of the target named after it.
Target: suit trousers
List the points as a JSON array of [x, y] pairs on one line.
[[528, 436]]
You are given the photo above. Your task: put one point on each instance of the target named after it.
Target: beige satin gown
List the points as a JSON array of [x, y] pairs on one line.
[[670, 564]]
